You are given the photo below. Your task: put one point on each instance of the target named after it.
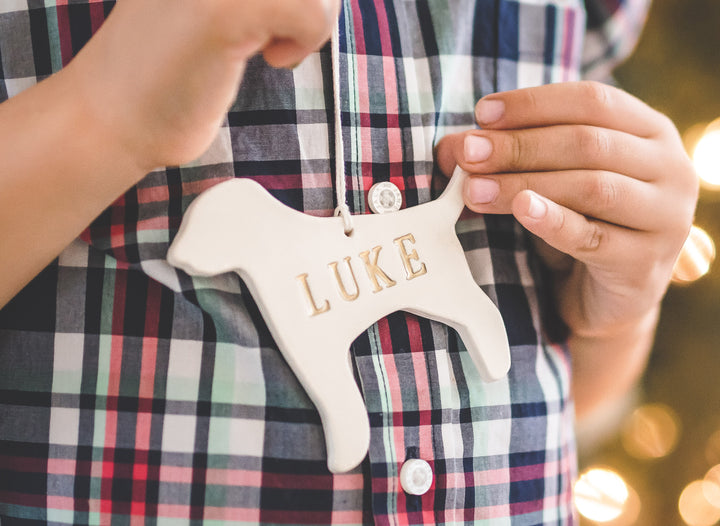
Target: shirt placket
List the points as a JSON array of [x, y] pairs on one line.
[[391, 364]]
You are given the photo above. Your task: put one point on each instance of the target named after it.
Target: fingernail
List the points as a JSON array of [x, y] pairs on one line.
[[537, 209], [489, 111], [482, 191], [477, 149]]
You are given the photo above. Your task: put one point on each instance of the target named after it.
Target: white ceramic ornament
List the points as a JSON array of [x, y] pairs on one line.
[[318, 289]]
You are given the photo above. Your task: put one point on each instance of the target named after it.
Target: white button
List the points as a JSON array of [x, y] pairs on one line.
[[416, 476], [384, 197]]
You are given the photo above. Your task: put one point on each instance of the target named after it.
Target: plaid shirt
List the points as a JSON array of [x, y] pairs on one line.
[[132, 393]]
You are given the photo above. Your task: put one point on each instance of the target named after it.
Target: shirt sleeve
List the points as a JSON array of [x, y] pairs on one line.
[[613, 30]]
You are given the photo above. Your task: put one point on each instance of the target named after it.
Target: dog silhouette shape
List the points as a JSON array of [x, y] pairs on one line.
[[318, 288]]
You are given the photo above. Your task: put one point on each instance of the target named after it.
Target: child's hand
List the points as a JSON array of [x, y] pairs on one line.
[[149, 89], [159, 75], [595, 174]]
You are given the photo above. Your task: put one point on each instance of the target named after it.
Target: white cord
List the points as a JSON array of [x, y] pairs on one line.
[[342, 209]]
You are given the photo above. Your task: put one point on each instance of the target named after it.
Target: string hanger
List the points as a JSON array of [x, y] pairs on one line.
[[342, 209]]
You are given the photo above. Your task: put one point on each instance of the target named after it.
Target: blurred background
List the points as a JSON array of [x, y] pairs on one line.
[[655, 459]]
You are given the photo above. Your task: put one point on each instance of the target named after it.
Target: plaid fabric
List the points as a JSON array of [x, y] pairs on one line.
[[131, 393]]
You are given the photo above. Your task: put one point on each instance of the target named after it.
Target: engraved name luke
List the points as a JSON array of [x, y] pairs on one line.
[[378, 278]]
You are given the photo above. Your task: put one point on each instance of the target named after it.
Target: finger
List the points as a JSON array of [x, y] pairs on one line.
[[602, 195], [447, 151], [303, 28], [562, 147], [586, 102], [307, 22], [288, 29], [285, 53], [589, 241]]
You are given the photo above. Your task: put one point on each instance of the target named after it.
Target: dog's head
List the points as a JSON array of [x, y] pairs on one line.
[[217, 230]]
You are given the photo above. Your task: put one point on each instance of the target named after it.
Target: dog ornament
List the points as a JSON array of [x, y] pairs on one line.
[[318, 288]]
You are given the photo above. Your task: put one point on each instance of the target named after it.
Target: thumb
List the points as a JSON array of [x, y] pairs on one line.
[[448, 151]]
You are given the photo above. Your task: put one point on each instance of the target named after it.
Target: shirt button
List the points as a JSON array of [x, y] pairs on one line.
[[384, 197], [416, 476]]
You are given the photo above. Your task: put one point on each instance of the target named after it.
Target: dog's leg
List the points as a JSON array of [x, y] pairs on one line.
[[477, 320], [482, 330], [324, 370]]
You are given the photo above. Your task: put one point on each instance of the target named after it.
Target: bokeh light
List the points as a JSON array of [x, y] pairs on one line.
[[601, 495], [651, 431], [711, 486], [696, 257], [692, 135], [706, 156], [630, 512], [674, 69], [694, 507]]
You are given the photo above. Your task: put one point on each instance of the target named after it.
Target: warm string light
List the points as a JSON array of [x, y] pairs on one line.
[[699, 502], [694, 506], [702, 142], [705, 154], [696, 257], [602, 496], [651, 431], [711, 486]]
